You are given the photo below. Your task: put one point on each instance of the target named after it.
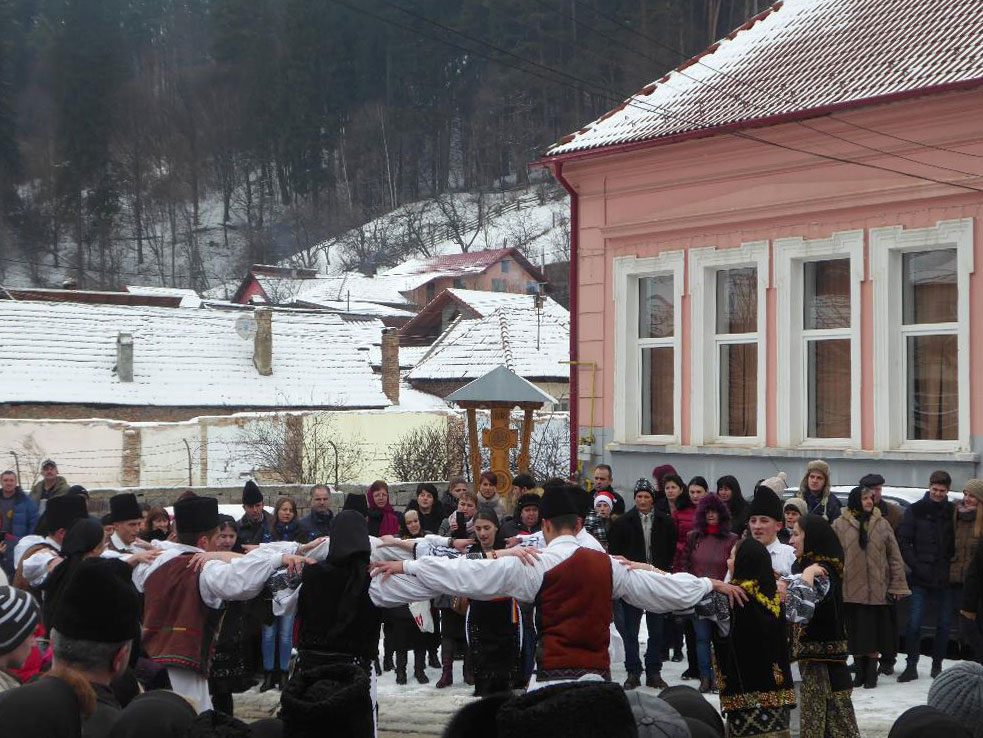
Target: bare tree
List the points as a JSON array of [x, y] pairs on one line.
[[431, 452], [293, 451]]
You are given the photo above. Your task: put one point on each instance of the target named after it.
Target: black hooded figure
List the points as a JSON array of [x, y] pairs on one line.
[[821, 645], [755, 679]]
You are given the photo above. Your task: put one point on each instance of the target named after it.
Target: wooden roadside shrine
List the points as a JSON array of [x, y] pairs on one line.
[[499, 391]]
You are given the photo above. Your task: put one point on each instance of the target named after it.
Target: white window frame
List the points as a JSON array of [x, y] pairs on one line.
[[703, 267], [790, 256], [627, 271], [886, 248]]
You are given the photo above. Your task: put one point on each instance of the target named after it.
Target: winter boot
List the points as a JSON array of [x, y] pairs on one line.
[[870, 673], [401, 667], [859, 670], [887, 667], [632, 682], [706, 686], [655, 681], [447, 665], [283, 681], [268, 682], [936, 667], [690, 674], [433, 661], [468, 671], [909, 674], [387, 662], [419, 666]]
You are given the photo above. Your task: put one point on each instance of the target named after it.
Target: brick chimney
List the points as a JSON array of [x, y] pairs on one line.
[[124, 357], [390, 364], [263, 341]]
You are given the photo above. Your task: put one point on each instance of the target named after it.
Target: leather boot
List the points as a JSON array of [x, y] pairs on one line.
[[870, 673], [468, 671], [432, 659], [283, 681], [447, 664], [268, 682], [419, 667], [859, 670]]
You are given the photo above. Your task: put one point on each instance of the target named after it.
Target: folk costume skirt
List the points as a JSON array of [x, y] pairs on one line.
[[827, 707]]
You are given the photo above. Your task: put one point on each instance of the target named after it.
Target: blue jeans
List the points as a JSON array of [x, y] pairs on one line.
[[282, 632], [528, 649], [631, 622], [920, 597], [704, 630]]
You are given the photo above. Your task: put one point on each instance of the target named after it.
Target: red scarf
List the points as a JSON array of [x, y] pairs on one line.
[[713, 529], [389, 524]]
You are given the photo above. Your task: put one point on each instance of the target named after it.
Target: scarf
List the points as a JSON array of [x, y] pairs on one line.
[[713, 529], [820, 546], [855, 506], [452, 522], [389, 523], [285, 531]]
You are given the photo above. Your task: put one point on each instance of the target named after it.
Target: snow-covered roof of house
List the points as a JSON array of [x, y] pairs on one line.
[[420, 271], [189, 298], [409, 356], [800, 58], [355, 307], [430, 321], [355, 286], [66, 352], [532, 346]]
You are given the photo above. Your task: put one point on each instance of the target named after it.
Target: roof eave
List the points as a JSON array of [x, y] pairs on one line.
[[548, 161]]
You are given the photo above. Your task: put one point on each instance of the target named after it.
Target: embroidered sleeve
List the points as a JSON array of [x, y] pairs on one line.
[[801, 599], [715, 607]]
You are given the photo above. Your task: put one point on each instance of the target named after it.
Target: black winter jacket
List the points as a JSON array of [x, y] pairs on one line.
[[626, 539], [928, 542]]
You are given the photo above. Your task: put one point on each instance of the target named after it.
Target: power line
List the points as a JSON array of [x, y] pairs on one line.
[[631, 100], [699, 60]]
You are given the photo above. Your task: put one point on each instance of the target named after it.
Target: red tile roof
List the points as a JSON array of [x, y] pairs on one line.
[[802, 56]]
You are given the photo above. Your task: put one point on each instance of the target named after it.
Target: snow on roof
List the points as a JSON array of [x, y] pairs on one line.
[[801, 55], [508, 336], [66, 352], [420, 271], [484, 303], [409, 356], [353, 286], [189, 298], [356, 307]]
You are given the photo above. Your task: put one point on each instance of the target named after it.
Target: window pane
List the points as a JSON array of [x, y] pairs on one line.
[[827, 294], [933, 388], [929, 286], [739, 389], [737, 300], [829, 389], [655, 307], [657, 386]]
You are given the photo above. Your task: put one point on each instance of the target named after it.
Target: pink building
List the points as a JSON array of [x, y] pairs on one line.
[[774, 251]]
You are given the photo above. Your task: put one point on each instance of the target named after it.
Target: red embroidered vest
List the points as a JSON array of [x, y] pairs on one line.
[[573, 614], [179, 629]]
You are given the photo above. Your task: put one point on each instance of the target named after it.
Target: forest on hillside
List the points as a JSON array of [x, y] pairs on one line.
[[128, 125]]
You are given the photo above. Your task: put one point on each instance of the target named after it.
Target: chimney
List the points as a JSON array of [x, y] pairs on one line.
[[390, 364], [124, 357], [263, 341]]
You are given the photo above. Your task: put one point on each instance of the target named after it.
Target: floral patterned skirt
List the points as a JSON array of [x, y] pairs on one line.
[[827, 707], [760, 722]]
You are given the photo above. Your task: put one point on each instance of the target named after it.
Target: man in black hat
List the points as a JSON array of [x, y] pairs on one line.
[[43, 556], [126, 518], [572, 586], [184, 589], [97, 620], [526, 520], [766, 518], [256, 524]]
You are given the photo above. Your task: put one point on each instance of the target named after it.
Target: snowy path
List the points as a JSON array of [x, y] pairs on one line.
[[415, 710]]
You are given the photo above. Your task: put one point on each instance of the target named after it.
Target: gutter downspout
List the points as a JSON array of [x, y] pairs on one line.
[[557, 171]]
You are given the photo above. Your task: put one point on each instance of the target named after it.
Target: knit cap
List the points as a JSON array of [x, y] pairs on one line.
[[644, 485], [18, 618], [777, 484], [604, 497], [798, 503], [958, 692], [974, 488]]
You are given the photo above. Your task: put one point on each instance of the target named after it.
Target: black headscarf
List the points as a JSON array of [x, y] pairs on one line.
[[736, 503], [82, 538], [820, 545], [753, 563], [155, 714], [348, 551], [855, 505]]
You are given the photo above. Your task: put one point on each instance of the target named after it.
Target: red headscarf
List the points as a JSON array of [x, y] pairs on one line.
[[389, 524]]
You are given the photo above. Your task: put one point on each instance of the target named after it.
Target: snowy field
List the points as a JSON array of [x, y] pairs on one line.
[[415, 710]]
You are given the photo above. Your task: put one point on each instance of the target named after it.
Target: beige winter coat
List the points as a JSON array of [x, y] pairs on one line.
[[871, 574]]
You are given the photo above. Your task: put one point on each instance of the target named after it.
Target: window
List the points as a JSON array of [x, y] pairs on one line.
[[728, 298], [818, 320], [499, 285], [648, 361], [431, 291], [458, 283], [921, 335], [505, 266], [929, 340]]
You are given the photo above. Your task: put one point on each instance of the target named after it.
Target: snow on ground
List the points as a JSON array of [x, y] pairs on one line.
[[416, 710]]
